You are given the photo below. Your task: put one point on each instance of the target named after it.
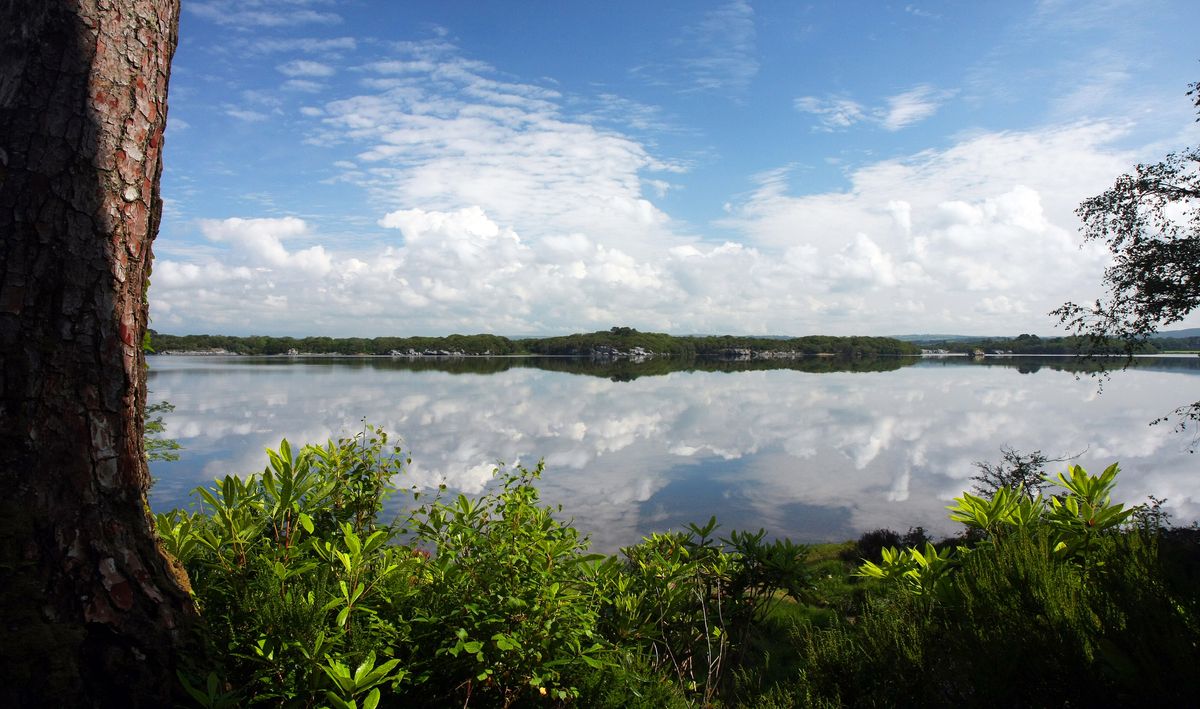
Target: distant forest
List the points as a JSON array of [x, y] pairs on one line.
[[1034, 345], [615, 342], [625, 340]]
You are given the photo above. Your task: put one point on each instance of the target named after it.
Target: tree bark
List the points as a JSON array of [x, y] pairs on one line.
[[93, 611]]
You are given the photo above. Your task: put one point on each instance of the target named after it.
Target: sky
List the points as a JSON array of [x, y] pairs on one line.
[[369, 168]]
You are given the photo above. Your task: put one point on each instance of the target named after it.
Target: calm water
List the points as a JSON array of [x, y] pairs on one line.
[[814, 455]]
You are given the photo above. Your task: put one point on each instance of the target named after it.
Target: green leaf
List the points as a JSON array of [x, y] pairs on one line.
[[364, 667], [591, 662], [372, 699]]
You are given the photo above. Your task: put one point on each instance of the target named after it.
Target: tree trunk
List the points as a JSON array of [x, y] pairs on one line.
[[92, 611]]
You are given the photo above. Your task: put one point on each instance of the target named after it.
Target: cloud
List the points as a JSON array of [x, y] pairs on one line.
[[625, 112], [910, 107], [243, 114], [922, 13], [834, 112], [988, 223], [898, 112], [903, 442], [726, 38], [533, 224], [306, 68], [260, 242], [333, 46], [303, 85], [441, 132], [450, 269], [717, 54], [246, 14]]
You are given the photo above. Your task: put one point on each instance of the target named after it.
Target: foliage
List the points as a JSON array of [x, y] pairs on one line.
[[1023, 472], [1026, 344], [1150, 222], [265, 345], [158, 447], [503, 613], [308, 598], [687, 602], [1075, 519], [1004, 510], [871, 544], [919, 572], [1059, 604], [615, 340], [294, 582], [1079, 517]]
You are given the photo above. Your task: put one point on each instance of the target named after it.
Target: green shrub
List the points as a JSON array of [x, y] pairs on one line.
[[307, 599], [1056, 604], [503, 613], [293, 577]]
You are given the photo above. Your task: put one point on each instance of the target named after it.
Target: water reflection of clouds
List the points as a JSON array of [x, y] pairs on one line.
[[760, 447]]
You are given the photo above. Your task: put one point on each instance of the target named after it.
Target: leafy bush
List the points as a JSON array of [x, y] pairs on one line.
[[870, 545], [294, 580], [503, 612], [307, 598], [1057, 604]]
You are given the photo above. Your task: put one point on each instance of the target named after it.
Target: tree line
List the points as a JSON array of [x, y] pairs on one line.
[[1071, 345], [622, 340]]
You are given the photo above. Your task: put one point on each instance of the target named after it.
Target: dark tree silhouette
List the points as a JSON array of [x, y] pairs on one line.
[[92, 611], [1150, 221]]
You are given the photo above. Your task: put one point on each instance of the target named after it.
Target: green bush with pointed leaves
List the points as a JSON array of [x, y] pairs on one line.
[[307, 599]]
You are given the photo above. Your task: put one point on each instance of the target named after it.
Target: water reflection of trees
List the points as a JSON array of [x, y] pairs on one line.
[[617, 370], [627, 370], [1074, 365]]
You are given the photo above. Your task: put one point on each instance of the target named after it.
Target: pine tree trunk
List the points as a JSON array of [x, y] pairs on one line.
[[92, 611]]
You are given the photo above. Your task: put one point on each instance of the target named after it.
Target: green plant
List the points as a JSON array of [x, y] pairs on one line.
[[1085, 512], [361, 470], [307, 600], [365, 678], [1007, 508], [289, 588], [212, 695], [157, 447], [689, 603], [504, 612], [665, 602], [920, 573]]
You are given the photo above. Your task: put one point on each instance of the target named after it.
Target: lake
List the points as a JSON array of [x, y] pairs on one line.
[[818, 449]]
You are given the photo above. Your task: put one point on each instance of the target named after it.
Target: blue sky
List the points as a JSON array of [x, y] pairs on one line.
[[396, 168]]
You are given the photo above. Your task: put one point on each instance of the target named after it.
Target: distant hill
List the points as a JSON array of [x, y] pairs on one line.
[[938, 338], [1186, 332]]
